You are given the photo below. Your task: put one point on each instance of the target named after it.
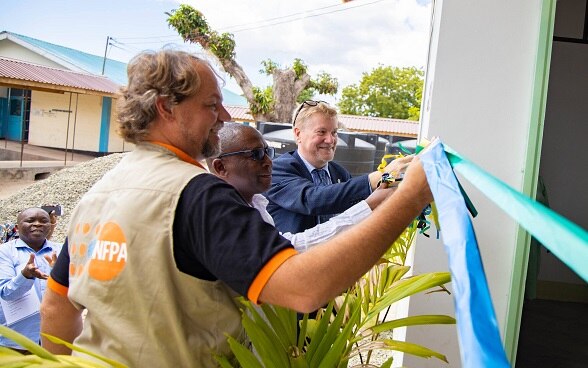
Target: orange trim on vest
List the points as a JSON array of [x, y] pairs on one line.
[[57, 287], [181, 154], [266, 272]]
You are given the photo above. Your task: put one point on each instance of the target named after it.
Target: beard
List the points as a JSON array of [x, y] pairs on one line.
[[210, 149]]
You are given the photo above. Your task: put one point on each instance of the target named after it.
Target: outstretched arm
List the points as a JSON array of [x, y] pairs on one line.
[[322, 232], [339, 262], [61, 319]]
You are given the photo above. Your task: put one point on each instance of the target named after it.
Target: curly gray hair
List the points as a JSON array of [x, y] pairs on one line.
[[166, 73]]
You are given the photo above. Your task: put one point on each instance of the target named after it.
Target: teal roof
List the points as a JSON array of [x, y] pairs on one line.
[[231, 98], [113, 69]]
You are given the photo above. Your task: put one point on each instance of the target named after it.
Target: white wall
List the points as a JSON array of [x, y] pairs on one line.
[[478, 101], [12, 50], [115, 142], [49, 128]]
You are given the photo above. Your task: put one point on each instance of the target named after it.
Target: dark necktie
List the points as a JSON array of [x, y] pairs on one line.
[[321, 178]]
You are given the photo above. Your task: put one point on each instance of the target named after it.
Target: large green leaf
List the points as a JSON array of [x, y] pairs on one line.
[[333, 331], [273, 332], [57, 340], [26, 343], [283, 321], [408, 287], [244, 356], [223, 361], [268, 348], [303, 332], [20, 360], [342, 343], [288, 318], [413, 321], [319, 334], [387, 363], [414, 349]]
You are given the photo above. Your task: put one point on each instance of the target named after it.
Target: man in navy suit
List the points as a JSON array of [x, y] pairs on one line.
[[297, 201]]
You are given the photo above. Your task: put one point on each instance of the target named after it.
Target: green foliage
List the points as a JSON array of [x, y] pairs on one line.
[[306, 94], [388, 92], [414, 113], [188, 22], [299, 68], [222, 46], [356, 328], [269, 67], [193, 27], [43, 358], [263, 100], [325, 84]]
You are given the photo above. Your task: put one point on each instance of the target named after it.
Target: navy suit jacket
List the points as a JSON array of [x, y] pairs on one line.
[[295, 201]]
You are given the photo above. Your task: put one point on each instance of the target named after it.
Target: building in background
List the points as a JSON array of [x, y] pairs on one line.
[[54, 96]]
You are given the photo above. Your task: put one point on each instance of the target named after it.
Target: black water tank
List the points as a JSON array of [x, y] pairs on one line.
[[265, 128], [355, 153], [281, 139], [380, 151]]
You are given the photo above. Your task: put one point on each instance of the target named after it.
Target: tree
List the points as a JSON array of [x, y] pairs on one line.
[[273, 103], [387, 92]]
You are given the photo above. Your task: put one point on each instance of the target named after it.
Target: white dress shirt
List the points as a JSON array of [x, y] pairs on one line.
[[321, 232]]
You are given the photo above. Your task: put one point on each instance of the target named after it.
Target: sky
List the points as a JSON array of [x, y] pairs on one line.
[[344, 39]]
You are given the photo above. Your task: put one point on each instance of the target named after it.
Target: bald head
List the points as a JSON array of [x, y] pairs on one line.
[[242, 170], [232, 136]]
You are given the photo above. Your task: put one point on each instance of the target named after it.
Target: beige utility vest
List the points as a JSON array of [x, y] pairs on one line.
[[142, 311]]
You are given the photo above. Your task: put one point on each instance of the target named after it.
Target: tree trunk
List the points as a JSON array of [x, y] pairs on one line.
[[286, 89], [235, 71]]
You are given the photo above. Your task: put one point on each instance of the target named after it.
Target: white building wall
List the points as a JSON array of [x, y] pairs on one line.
[[12, 50], [115, 142], [50, 127], [478, 101]]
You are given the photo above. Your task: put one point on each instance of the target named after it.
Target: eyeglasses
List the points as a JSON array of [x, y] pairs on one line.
[[302, 105], [256, 154]]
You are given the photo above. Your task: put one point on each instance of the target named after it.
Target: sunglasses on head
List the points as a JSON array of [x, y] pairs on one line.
[[256, 154], [303, 105]]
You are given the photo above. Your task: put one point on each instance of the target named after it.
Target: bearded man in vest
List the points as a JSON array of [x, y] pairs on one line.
[[159, 247]]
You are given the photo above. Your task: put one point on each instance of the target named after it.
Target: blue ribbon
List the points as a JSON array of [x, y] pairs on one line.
[[565, 239], [479, 337]]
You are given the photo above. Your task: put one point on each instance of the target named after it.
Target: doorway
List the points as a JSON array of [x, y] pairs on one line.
[[556, 299], [16, 126]]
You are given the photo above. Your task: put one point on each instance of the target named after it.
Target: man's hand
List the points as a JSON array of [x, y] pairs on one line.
[[51, 259], [415, 183], [395, 167], [53, 219], [30, 271], [379, 195]]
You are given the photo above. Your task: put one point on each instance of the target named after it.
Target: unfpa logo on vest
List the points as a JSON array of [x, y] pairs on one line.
[[104, 257], [110, 251]]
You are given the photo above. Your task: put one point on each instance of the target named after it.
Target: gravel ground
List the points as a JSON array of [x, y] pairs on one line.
[[64, 187]]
